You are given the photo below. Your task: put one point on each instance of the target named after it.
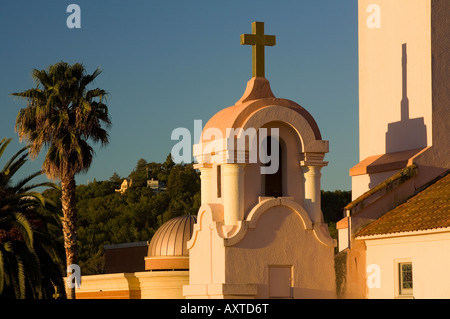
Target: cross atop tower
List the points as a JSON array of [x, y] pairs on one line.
[[258, 40]]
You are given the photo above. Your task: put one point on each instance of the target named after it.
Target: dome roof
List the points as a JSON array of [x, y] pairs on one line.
[[257, 96], [168, 249]]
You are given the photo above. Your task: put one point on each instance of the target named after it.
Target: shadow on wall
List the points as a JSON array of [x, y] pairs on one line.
[[407, 134]]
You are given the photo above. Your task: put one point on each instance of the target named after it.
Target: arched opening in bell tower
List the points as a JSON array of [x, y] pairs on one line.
[[273, 182]]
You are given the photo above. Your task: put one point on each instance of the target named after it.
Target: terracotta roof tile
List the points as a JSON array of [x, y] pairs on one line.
[[429, 209]]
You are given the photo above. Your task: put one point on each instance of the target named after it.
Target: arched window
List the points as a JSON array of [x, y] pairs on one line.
[[219, 181], [273, 183]]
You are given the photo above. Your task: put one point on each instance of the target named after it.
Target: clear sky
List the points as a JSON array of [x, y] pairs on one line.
[[168, 63]]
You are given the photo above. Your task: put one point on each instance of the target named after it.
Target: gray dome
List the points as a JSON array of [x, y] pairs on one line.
[[171, 238]]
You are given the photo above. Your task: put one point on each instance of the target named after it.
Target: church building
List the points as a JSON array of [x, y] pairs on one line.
[[260, 232], [394, 240]]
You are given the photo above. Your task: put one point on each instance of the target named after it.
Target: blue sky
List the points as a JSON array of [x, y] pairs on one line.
[[168, 63]]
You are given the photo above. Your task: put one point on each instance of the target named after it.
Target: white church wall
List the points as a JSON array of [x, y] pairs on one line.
[[281, 241], [395, 75], [429, 253]]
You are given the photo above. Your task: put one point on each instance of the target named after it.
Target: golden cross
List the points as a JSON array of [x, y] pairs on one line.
[[258, 40]]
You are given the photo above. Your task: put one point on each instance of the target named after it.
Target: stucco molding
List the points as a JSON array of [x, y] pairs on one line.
[[231, 235], [214, 211], [323, 236], [261, 208], [256, 115], [277, 113]]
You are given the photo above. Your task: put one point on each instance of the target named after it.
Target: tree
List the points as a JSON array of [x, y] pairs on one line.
[[169, 163], [183, 188], [333, 204], [29, 256], [116, 180], [64, 116], [106, 217], [139, 174]]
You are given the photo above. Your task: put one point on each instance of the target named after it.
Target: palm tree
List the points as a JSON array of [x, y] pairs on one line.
[[64, 116], [29, 256]]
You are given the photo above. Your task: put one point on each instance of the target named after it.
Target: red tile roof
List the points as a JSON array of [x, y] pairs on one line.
[[429, 209]]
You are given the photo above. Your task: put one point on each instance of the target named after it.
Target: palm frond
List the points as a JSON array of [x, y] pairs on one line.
[[41, 77], [87, 79], [26, 230], [2, 273], [36, 196], [20, 291], [20, 268], [12, 165], [26, 180], [3, 144], [25, 189]]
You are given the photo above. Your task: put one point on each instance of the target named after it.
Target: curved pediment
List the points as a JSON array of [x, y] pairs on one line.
[[264, 206]]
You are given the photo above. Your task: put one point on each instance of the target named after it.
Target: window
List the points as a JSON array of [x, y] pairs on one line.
[[219, 181], [273, 183], [405, 278]]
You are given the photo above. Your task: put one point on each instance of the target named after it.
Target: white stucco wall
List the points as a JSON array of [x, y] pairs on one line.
[[430, 257], [402, 22]]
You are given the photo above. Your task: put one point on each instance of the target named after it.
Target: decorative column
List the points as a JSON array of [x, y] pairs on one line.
[[233, 193], [205, 179], [311, 167], [312, 192]]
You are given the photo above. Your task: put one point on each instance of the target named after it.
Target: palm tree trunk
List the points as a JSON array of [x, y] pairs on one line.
[[69, 225]]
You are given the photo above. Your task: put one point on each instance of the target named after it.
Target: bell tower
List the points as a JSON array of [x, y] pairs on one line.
[[260, 230], [403, 90]]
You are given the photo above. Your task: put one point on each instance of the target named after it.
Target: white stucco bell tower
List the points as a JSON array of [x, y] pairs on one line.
[[260, 230]]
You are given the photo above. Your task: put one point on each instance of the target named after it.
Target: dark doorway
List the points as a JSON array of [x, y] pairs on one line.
[[273, 183]]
